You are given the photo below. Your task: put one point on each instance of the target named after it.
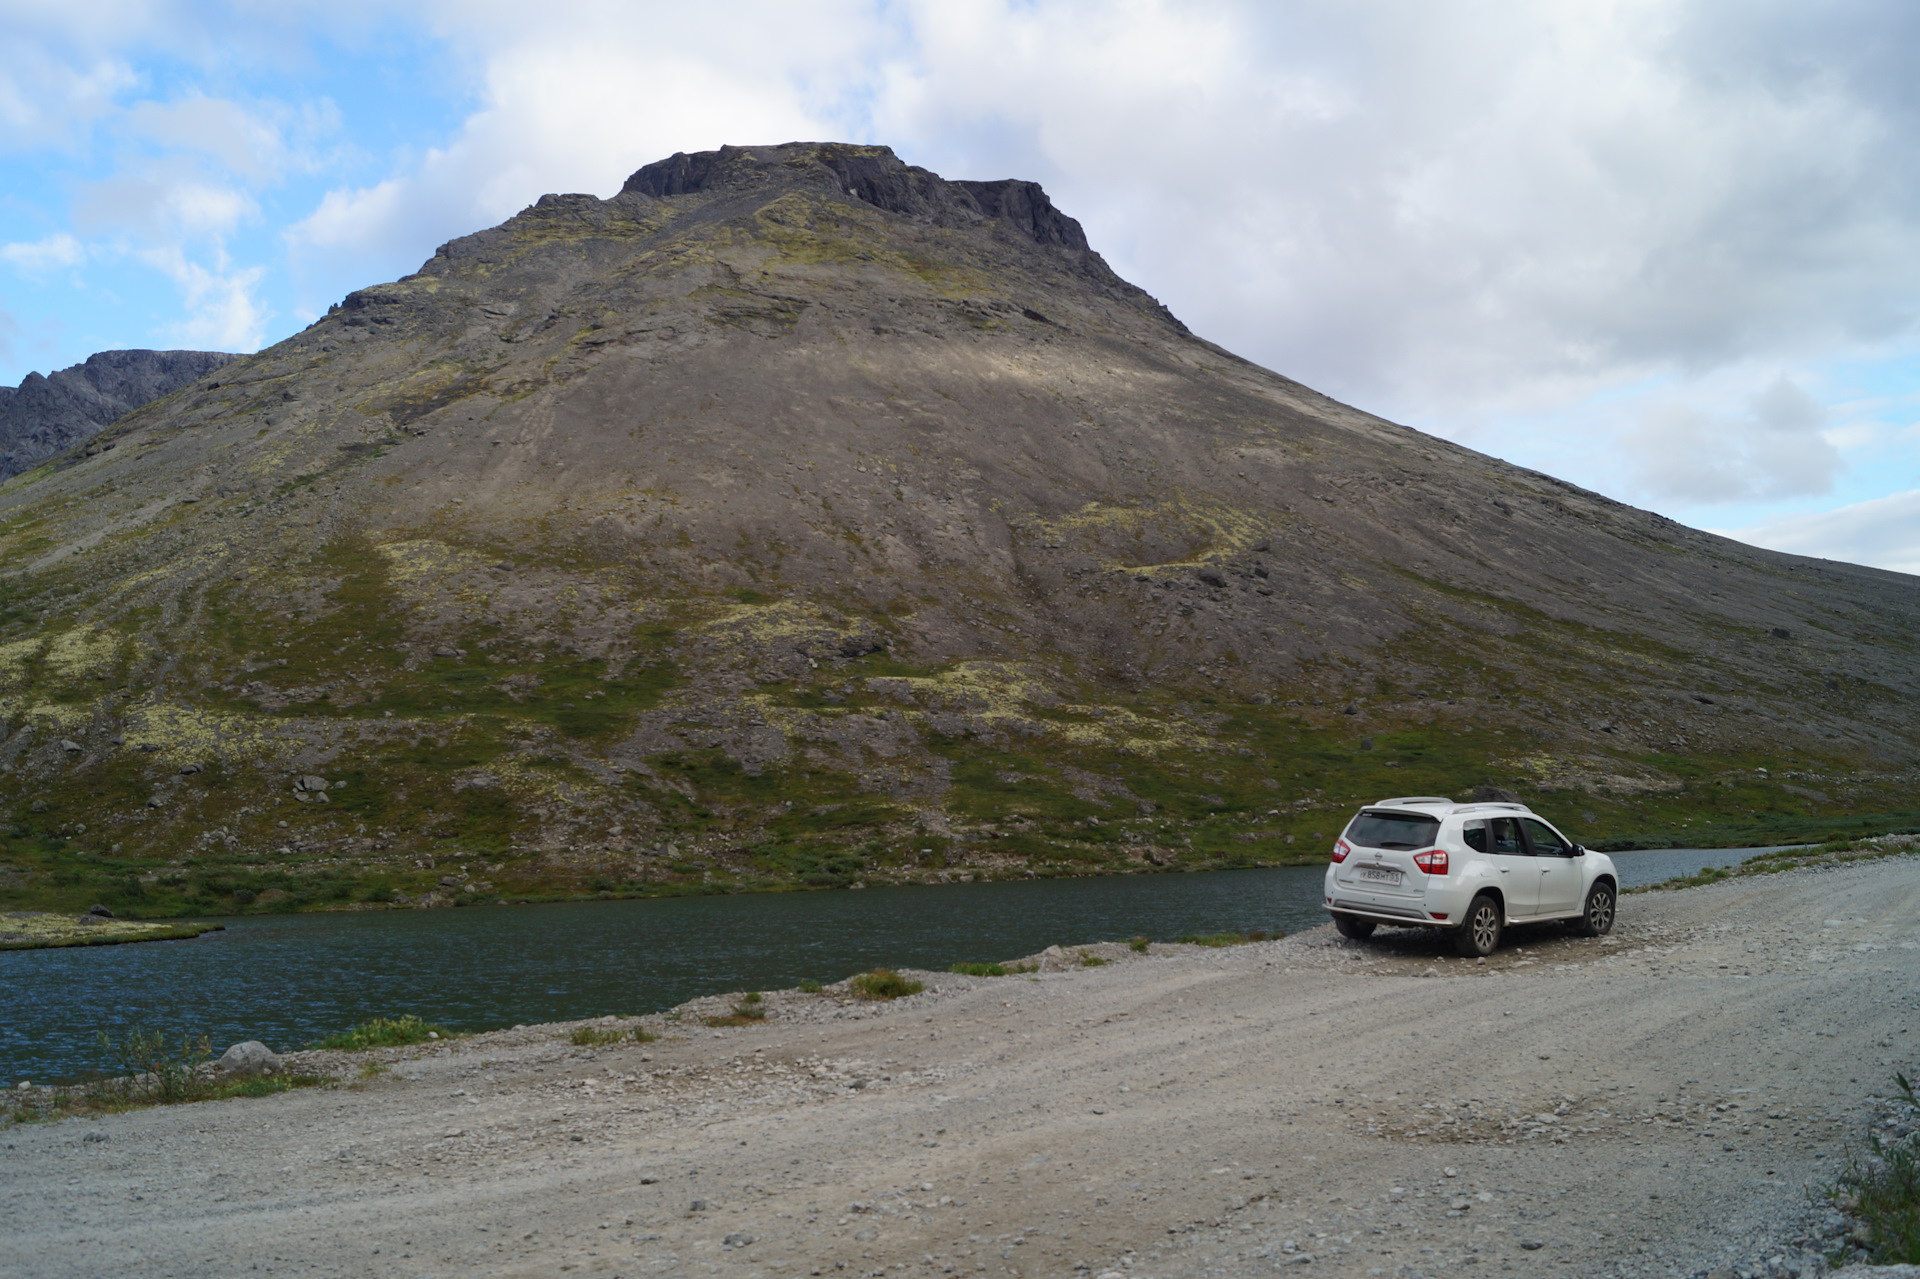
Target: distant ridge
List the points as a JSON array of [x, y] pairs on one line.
[[48, 415]]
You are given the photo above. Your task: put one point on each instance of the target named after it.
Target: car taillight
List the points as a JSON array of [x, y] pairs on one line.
[[1340, 850], [1433, 862]]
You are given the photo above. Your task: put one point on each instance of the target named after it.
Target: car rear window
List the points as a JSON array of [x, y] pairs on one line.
[[1393, 830]]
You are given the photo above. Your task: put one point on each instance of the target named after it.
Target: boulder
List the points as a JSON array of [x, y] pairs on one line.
[[250, 1057], [101, 911]]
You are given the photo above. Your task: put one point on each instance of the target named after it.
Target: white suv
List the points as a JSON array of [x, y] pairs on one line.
[[1468, 868]]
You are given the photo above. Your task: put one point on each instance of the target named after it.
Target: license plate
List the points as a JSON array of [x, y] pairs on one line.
[[1379, 874]]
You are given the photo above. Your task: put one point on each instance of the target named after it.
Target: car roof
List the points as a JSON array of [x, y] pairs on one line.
[[1440, 806]]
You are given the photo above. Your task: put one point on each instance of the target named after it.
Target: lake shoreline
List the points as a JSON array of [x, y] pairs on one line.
[[1183, 1112]]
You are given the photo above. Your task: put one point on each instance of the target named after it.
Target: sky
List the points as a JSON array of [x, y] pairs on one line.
[[1665, 249]]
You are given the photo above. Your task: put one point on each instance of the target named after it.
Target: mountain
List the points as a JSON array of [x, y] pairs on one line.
[[797, 516], [48, 415]]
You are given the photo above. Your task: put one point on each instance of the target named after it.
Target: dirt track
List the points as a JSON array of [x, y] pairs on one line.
[[1654, 1104]]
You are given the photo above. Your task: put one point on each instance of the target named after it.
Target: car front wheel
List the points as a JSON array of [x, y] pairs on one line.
[[1355, 929], [1479, 933], [1597, 919]]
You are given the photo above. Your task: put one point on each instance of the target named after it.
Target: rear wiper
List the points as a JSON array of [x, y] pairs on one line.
[[1398, 847]]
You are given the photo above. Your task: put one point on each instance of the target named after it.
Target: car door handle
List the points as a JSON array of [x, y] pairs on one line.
[[1505, 869]]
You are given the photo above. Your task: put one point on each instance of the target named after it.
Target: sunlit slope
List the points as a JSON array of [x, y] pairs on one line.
[[799, 517]]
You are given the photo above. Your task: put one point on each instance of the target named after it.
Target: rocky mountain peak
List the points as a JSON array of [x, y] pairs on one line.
[[873, 174]]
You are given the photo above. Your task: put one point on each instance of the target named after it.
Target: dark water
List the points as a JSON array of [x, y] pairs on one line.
[[289, 979]]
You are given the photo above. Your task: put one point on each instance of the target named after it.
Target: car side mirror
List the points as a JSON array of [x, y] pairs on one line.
[[1579, 850]]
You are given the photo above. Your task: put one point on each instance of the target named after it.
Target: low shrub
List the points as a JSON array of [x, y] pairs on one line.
[[1139, 945], [882, 983], [979, 970], [1881, 1190], [155, 1068], [808, 986], [1090, 960], [385, 1032]]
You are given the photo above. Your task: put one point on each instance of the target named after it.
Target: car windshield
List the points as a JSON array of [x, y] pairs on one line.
[[1393, 830]]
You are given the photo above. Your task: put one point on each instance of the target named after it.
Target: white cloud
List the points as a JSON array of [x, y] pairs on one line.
[[41, 256], [1883, 532], [222, 313], [578, 103], [46, 101], [1777, 448]]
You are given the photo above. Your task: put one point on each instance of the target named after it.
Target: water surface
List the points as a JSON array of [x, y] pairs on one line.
[[288, 979]]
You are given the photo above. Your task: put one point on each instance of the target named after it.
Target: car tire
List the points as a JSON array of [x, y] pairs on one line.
[[1596, 920], [1479, 933], [1353, 928]]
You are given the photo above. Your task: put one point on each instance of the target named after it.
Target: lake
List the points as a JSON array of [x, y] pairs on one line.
[[288, 979]]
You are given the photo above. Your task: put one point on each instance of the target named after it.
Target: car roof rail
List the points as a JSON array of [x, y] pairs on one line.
[[1416, 799]]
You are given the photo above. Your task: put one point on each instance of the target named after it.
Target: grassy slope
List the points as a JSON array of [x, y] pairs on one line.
[[482, 757]]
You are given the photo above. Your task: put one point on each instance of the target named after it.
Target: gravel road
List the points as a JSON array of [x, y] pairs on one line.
[[1655, 1103]]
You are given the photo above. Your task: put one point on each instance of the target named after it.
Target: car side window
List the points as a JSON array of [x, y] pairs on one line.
[[1475, 834], [1545, 842], [1506, 837]]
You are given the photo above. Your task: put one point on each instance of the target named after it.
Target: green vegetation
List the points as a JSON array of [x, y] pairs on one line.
[[385, 1032], [992, 970], [596, 1036], [1217, 940], [1138, 945], [1894, 844], [808, 986], [745, 1011], [882, 983], [1090, 960], [151, 1068], [1880, 1189]]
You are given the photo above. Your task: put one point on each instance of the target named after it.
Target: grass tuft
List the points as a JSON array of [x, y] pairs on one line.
[[748, 1009], [385, 1032], [1139, 945], [808, 986], [591, 1036], [882, 983]]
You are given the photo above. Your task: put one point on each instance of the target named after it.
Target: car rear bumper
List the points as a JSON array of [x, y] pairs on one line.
[[1388, 914]]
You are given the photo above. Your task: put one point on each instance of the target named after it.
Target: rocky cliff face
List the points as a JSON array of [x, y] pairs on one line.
[[48, 415], [798, 515]]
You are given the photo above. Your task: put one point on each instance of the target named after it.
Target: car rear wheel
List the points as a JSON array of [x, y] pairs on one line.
[[1479, 933], [1597, 919], [1354, 928]]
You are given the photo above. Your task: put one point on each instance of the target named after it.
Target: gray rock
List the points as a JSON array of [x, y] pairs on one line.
[[698, 1205], [188, 770], [99, 910], [1533, 1245], [37, 806], [250, 1057], [310, 783], [738, 1240], [71, 747], [1494, 795]]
